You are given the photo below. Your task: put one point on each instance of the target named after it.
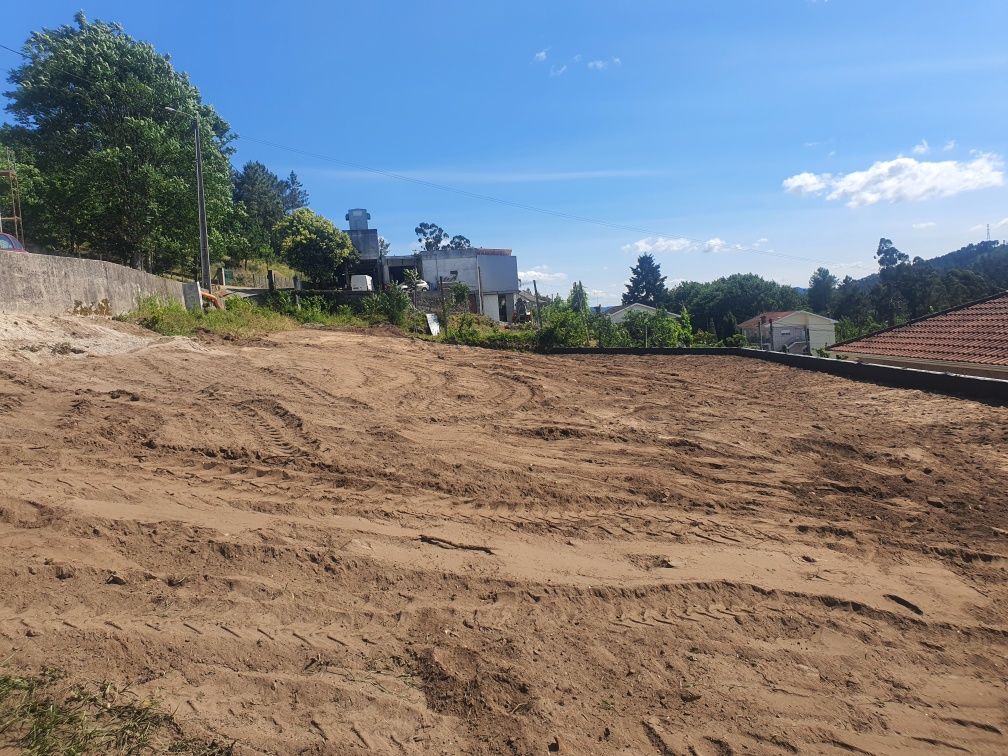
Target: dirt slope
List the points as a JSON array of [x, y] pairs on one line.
[[339, 543]]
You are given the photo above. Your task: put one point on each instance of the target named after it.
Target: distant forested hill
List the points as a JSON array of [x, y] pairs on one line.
[[987, 258]]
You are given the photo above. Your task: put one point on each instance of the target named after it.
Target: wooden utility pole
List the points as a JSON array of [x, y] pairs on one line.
[[444, 311], [538, 306]]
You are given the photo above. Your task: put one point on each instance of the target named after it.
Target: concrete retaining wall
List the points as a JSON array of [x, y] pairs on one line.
[[975, 387], [51, 285]]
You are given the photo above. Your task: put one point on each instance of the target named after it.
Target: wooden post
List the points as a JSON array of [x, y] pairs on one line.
[[479, 288], [270, 281], [444, 311], [538, 306], [297, 289]]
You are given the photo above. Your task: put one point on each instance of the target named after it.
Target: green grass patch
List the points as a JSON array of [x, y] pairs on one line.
[[240, 319], [478, 330], [42, 715]]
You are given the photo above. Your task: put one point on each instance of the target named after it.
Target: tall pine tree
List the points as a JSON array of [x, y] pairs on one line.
[[295, 196], [647, 284]]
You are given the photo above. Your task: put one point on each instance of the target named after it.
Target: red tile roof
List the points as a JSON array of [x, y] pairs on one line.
[[976, 332], [754, 321]]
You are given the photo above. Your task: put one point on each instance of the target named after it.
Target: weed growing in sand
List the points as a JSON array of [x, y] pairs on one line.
[[240, 319], [43, 715]]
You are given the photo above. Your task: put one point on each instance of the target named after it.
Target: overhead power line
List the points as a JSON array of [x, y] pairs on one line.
[[488, 198], [518, 205]]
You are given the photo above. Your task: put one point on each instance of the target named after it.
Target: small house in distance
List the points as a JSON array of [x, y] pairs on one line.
[[619, 313], [797, 331], [971, 339]]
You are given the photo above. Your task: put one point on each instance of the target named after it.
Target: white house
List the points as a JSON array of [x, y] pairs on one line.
[[790, 330], [618, 314]]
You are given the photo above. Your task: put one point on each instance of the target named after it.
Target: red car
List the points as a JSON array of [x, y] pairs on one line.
[[10, 243]]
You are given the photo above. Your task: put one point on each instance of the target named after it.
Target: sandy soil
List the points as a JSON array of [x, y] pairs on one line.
[[341, 543]]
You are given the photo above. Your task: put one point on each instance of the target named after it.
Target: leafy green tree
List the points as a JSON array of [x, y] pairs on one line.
[[562, 327], [261, 194], [384, 248], [431, 236], [313, 245], [412, 281], [88, 111], [658, 329], [578, 299], [295, 196], [718, 302], [851, 302], [820, 291], [888, 256], [647, 284], [459, 295], [889, 295]]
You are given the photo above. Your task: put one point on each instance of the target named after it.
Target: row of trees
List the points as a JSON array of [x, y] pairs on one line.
[[102, 128], [905, 289], [901, 290], [715, 306]]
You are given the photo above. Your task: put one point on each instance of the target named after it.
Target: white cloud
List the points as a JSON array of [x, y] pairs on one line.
[[903, 179], [949, 145], [617, 62], [923, 148], [598, 65], [759, 242], [540, 56], [542, 274], [806, 183], [983, 226], [577, 58], [659, 244], [662, 244], [924, 225], [558, 70]]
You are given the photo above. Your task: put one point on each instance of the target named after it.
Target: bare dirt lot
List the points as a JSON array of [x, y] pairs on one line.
[[342, 543]]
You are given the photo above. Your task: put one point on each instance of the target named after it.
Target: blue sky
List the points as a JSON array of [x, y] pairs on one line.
[[730, 136]]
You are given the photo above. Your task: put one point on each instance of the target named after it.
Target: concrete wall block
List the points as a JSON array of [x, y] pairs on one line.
[[52, 285]]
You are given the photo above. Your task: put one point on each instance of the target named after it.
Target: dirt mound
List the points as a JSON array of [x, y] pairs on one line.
[[335, 542]]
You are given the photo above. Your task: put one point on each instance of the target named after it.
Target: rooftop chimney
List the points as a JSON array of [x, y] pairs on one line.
[[358, 218]]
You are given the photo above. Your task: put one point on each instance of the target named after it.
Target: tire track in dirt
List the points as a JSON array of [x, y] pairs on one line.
[[679, 558]]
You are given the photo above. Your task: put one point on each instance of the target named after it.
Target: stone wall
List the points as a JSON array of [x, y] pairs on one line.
[[51, 285]]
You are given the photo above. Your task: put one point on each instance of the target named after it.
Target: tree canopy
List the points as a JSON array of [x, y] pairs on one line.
[[89, 110], [107, 170], [313, 245], [432, 238], [647, 284], [578, 299], [820, 290]]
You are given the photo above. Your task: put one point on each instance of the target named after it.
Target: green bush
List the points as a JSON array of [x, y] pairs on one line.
[[706, 338], [390, 306], [240, 319], [478, 330], [658, 329], [563, 327]]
